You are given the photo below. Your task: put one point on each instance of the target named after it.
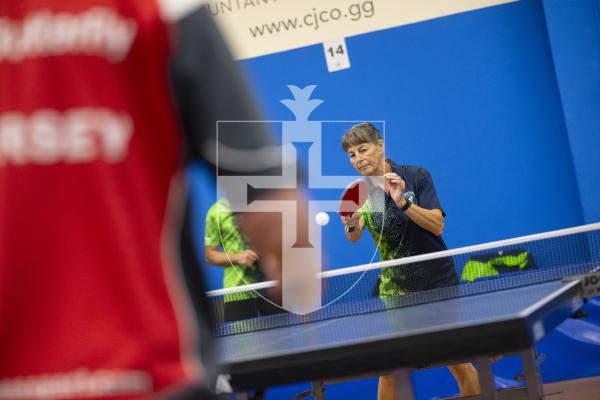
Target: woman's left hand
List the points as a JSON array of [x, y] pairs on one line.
[[395, 185]]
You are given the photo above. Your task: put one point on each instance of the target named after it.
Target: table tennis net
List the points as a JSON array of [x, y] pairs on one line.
[[482, 268]]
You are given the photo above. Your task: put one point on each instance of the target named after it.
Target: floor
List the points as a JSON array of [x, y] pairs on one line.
[[579, 389]]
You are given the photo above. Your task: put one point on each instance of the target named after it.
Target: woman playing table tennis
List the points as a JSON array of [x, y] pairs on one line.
[[411, 223]]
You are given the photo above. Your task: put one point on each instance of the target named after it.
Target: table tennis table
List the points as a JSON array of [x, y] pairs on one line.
[[399, 340]]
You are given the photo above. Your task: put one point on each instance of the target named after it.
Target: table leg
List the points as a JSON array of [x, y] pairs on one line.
[[486, 378], [532, 374], [404, 386], [241, 395], [318, 390]]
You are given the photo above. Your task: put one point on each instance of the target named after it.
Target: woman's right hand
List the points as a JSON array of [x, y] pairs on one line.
[[351, 220]]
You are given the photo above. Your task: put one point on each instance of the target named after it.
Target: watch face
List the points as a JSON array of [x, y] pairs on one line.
[[410, 196]]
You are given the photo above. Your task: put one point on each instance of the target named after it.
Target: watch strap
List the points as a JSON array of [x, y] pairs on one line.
[[407, 204]]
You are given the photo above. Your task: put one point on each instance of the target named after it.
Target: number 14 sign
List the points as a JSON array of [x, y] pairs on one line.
[[336, 55]]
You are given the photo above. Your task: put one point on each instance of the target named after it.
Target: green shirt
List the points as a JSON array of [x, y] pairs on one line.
[[389, 247], [222, 231]]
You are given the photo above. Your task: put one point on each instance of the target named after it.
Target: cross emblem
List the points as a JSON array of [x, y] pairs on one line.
[[302, 263]]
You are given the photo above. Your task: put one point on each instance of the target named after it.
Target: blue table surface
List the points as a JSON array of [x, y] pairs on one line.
[[461, 312]]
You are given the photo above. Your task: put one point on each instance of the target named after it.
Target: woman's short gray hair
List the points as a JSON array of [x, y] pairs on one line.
[[362, 133]]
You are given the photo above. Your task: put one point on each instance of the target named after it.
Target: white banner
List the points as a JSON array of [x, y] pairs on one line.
[[258, 27]]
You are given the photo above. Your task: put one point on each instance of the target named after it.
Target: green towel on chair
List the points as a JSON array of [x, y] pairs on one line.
[[495, 263]]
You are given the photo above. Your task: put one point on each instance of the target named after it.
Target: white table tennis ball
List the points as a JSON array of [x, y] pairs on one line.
[[322, 218]]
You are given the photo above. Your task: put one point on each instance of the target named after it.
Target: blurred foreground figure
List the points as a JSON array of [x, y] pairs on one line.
[[102, 103]]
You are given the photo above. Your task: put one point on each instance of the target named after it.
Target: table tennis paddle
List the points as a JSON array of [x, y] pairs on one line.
[[354, 197]]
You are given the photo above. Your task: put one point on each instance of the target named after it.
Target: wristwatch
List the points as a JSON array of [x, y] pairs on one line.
[[407, 204]]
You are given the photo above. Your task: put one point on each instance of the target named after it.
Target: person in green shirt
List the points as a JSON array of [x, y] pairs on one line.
[[226, 246], [414, 222]]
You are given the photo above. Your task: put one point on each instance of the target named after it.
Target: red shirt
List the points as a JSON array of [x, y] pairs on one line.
[[92, 296]]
